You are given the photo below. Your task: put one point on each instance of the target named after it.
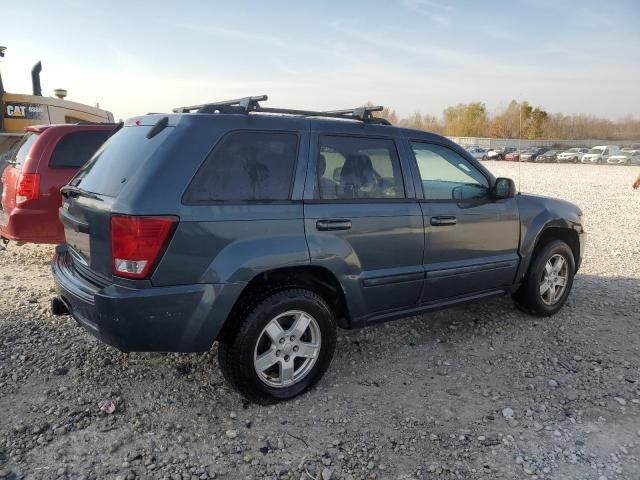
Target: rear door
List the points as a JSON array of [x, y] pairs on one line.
[[362, 220], [472, 239]]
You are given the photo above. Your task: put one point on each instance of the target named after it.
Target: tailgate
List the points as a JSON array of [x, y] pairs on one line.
[[91, 194]]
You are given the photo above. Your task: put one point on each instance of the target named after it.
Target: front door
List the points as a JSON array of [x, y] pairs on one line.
[[361, 223], [472, 240]]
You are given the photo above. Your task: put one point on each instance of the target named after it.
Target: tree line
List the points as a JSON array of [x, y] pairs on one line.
[[473, 120]]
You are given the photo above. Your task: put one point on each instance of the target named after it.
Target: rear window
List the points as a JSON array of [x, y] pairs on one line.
[[75, 149], [21, 150], [118, 160], [246, 166]]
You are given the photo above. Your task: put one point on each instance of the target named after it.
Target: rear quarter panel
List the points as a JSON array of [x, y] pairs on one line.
[[224, 242]]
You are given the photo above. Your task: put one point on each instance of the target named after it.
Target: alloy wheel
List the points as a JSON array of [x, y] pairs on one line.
[[554, 280], [287, 349]]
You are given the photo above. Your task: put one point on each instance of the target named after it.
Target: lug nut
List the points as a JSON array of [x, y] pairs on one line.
[[296, 348], [292, 338], [286, 358], [282, 340], [277, 353]]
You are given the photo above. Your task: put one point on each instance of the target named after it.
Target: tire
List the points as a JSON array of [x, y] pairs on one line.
[[484, 159], [500, 157], [242, 347], [529, 298]]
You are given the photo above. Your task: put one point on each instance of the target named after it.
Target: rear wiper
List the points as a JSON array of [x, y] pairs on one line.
[[71, 191]]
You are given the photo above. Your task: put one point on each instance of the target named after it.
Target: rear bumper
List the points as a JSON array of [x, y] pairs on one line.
[[185, 318], [31, 226]]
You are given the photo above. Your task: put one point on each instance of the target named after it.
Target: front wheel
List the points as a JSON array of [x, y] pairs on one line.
[[281, 346], [549, 280]]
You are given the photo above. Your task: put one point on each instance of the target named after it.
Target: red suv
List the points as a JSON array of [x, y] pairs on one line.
[[46, 158]]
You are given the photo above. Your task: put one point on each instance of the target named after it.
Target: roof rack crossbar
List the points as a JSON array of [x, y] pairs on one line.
[[245, 103], [250, 104]]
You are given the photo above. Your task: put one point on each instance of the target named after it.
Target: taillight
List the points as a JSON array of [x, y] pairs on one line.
[[137, 243], [28, 187]]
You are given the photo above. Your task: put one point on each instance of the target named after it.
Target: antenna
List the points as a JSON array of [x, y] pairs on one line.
[[520, 151]]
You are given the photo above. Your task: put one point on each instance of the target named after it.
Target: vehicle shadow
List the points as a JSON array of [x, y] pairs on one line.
[[592, 297]]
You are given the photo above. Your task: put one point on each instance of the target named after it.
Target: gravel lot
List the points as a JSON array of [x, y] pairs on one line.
[[477, 392]]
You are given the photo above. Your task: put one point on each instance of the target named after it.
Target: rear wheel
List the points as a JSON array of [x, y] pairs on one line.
[[549, 280], [280, 347]]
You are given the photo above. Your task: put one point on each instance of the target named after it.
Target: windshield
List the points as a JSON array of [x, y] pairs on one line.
[[19, 153], [596, 150]]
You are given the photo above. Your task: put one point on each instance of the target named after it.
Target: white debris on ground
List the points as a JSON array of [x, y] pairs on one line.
[[476, 392]]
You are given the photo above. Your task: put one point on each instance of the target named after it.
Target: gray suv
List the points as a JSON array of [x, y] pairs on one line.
[[265, 229]]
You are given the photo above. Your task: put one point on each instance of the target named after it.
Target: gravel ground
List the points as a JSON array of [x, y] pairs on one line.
[[476, 392]]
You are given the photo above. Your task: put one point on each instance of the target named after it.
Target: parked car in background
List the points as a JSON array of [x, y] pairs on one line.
[[275, 227], [498, 153], [600, 153], [514, 156], [573, 155], [44, 160], [530, 154], [635, 146], [625, 158], [478, 153], [547, 157]]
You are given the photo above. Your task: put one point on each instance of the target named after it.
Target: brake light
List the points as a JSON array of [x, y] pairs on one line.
[[137, 243], [28, 187]]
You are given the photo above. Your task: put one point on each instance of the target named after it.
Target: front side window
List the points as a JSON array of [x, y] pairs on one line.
[[247, 166], [352, 168], [75, 149], [446, 175]]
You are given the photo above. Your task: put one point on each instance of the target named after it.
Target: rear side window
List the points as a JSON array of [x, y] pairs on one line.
[[358, 168], [75, 149], [246, 166], [118, 160], [21, 150]]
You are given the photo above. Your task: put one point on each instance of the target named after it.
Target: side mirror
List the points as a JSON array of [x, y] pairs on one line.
[[468, 192], [503, 188]]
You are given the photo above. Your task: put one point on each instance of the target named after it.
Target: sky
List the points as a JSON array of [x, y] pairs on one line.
[[574, 57]]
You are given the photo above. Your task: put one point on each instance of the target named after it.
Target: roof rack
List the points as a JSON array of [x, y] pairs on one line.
[[250, 104]]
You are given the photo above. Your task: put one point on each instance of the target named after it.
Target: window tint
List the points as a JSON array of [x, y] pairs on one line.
[[354, 167], [21, 150], [247, 166], [75, 149], [118, 160], [447, 175]]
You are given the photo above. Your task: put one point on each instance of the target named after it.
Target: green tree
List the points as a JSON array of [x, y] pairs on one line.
[[466, 120], [535, 123]]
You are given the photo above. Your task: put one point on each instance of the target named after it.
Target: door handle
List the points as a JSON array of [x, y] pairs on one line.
[[333, 224], [443, 221]]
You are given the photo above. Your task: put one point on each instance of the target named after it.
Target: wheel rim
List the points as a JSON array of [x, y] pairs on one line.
[[287, 349], [554, 279]]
